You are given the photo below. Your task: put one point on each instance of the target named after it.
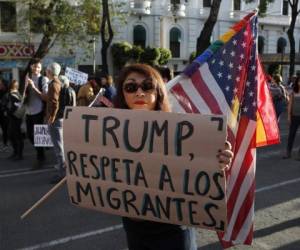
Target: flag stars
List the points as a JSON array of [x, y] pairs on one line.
[[244, 45], [232, 53], [254, 104], [251, 93], [213, 61], [220, 75], [248, 83], [245, 109], [234, 42], [240, 67], [253, 67], [221, 63], [235, 90], [242, 56], [224, 51], [246, 33], [229, 77], [231, 65], [227, 88], [237, 78]]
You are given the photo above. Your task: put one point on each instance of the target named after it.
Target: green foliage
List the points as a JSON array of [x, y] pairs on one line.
[[193, 56], [136, 53], [121, 53], [124, 52], [165, 56], [150, 56]]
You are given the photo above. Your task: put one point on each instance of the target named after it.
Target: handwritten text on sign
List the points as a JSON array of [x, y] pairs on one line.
[[147, 164], [42, 137], [76, 76]]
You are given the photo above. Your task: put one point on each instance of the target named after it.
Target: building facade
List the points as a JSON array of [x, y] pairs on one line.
[[172, 24]]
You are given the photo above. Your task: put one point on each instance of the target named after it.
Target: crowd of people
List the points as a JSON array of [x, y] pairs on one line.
[[42, 102]]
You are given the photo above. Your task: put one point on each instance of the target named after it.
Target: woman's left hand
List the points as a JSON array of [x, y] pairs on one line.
[[225, 156]]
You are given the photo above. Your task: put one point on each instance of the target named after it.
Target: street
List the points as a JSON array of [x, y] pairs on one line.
[[57, 224]]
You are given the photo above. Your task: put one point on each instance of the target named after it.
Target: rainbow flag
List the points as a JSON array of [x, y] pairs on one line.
[[228, 79]]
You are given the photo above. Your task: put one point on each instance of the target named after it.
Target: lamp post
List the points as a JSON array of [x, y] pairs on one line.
[[93, 40]]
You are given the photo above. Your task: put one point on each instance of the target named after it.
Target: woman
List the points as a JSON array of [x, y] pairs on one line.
[[141, 87], [293, 117], [14, 121], [279, 95]]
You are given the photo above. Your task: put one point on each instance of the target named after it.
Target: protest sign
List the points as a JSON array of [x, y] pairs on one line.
[[147, 164], [76, 76], [41, 136]]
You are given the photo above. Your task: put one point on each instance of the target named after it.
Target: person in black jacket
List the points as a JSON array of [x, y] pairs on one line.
[[14, 122]]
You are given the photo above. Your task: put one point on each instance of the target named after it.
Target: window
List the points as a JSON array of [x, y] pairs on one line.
[[175, 1], [206, 3], [281, 44], [8, 16], [175, 39], [261, 44], [237, 5], [139, 36], [285, 8]]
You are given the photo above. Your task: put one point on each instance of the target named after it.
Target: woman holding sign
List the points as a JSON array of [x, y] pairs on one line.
[[141, 87]]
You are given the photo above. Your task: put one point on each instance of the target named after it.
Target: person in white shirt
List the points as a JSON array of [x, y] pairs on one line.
[[36, 89]]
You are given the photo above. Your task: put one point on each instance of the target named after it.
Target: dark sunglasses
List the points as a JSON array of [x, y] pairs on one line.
[[132, 87]]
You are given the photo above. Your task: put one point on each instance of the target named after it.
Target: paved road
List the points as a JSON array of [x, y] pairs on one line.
[[60, 225]]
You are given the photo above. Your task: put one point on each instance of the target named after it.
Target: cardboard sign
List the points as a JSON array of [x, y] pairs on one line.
[[147, 164], [41, 136], [76, 76]]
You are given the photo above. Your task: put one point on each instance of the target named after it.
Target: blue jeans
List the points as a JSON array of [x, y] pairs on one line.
[[56, 133]]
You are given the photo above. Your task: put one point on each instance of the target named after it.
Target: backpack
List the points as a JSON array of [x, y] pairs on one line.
[[67, 97]]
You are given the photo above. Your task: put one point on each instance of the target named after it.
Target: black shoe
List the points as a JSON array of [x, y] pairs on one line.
[[56, 179]]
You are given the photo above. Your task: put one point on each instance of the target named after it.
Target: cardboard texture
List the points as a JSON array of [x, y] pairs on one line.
[[147, 164]]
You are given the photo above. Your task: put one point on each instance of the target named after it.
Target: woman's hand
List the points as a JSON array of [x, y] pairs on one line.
[[225, 156]]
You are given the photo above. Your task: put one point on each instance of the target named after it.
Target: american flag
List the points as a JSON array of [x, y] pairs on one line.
[[224, 80]]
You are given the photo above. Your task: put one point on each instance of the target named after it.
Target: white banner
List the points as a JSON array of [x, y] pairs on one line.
[[76, 76], [42, 137]]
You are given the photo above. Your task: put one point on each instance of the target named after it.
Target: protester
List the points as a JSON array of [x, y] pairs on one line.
[[87, 92], [107, 84], [3, 116], [165, 73], [279, 95], [141, 87], [36, 89], [14, 122], [54, 119], [293, 118]]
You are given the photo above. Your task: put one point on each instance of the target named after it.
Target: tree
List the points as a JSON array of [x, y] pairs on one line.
[[106, 34], [58, 20], [290, 32], [203, 41]]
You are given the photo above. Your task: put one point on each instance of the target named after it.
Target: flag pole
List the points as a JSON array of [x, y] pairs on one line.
[[45, 197]]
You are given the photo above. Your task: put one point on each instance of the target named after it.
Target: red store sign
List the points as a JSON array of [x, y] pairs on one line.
[[15, 50]]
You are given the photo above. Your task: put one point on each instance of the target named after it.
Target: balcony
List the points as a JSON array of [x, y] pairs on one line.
[[177, 10], [140, 7]]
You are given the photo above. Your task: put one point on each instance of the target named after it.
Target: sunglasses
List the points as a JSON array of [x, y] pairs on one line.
[[132, 87]]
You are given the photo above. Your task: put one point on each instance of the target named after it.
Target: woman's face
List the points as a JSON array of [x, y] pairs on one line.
[[139, 92], [15, 85]]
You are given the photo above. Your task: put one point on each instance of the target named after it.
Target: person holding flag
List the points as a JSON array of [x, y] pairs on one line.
[[141, 87]]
